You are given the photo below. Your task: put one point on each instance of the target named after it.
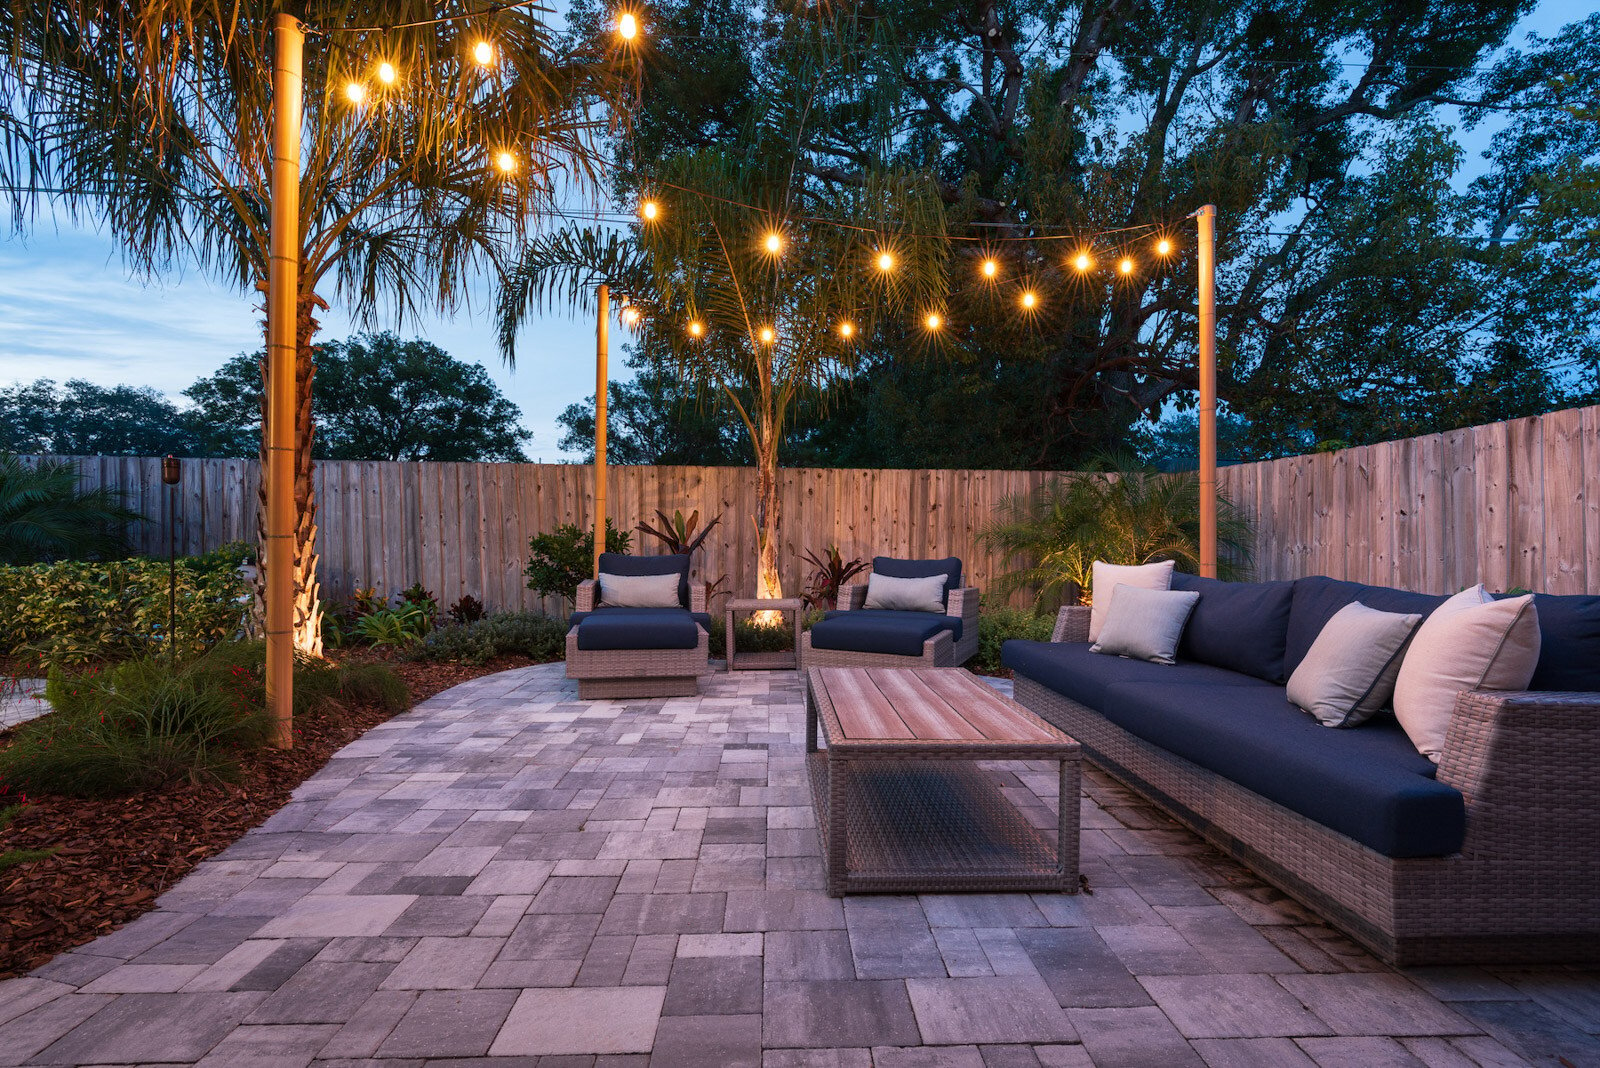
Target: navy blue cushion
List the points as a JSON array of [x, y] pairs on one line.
[[950, 567], [1317, 598], [702, 618], [1242, 626], [1369, 784], [638, 628], [1072, 670], [672, 564], [1569, 643], [880, 630]]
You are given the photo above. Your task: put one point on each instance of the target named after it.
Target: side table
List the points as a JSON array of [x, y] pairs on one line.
[[738, 661]]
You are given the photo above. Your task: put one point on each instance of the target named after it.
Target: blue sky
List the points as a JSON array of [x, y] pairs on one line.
[[69, 309]]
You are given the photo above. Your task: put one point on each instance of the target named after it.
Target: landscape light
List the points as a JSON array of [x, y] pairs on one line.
[[1029, 299], [696, 328], [933, 321], [990, 268], [773, 242], [649, 210], [847, 329], [1126, 266], [505, 161], [766, 335], [1163, 247], [355, 92], [386, 73], [483, 52], [1083, 262], [628, 26]]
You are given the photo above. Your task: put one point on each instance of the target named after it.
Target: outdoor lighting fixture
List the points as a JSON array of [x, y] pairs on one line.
[[649, 210], [386, 73], [483, 52], [933, 321], [1030, 299], [171, 475], [990, 268], [1083, 261], [766, 335], [505, 161], [355, 92], [1126, 266], [631, 316], [1163, 247], [628, 26], [885, 261], [773, 242], [847, 329], [696, 328]]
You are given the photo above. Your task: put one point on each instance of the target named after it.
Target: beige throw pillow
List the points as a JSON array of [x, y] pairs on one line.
[[1348, 674], [639, 591], [1145, 624], [1471, 642], [906, 594], [1105, 578]]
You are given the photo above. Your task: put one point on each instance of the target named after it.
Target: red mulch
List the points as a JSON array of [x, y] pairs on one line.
[[114, 857]]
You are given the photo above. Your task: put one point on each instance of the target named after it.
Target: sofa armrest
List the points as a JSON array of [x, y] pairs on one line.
[[853, 595], [697, 596], [1072, 624], [1528, 763], [963, 604], [588, 590]]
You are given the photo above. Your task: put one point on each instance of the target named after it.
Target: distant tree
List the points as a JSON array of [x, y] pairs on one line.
[[657, 418], [84, 419], [1173, 443], [377, 398]]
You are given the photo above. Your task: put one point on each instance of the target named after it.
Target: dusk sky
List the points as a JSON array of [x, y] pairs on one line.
[[69, 309]]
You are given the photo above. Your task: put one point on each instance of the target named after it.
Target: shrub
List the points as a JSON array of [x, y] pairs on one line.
[[45, 516], [755, 638], [564, 557], [538, 637], [467, 610], [73, 613], [996, 626]]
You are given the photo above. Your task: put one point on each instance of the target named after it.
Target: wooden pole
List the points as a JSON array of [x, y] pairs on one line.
[[283, 283], [1207, 217], [601, 377]]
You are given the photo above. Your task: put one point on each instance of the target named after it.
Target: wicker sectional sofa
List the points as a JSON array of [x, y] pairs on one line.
[[1492, 856]]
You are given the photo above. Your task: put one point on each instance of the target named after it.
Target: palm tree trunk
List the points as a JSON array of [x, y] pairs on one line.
[[307, 599], [768, 516]]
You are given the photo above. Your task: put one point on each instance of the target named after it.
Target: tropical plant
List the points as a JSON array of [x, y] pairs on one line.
[[396, 627], [154, 121], [467, 609], [1117, 512], [563, 557], [45, 516], [831, 572], [677, 532]]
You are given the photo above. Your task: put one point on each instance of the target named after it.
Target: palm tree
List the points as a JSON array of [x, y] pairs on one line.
[[153, 119], [1117, 512], [45, 516]]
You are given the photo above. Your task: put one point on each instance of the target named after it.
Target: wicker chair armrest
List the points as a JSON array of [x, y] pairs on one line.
[[853, 595], [588, 590], [1072, 624], [697, 596], [963, 603]]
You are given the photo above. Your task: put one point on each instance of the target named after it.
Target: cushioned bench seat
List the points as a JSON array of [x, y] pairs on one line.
[[1070, 668], [702, 618], [872, 630], [637, 628]]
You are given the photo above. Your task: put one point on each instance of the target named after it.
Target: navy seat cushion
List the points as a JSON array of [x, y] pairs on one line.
[[1317, 598], [880, 630], [1569, 649], [672, 564], [1369, 784], [1242, 626], [702, 618], [637, 628], [1071, 669], [950, 567]]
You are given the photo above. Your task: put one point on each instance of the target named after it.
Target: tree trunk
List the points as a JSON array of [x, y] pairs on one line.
[[307, 599], [768, 519]]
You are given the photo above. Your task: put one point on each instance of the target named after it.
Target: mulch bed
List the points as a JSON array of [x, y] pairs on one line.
[[115, 857]]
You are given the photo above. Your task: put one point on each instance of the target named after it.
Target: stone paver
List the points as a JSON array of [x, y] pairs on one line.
[[512, 874]]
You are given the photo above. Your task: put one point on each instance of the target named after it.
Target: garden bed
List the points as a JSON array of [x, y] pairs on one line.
[[114, 857]]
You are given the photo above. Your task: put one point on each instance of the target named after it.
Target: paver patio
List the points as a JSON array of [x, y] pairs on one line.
[[509, 873]]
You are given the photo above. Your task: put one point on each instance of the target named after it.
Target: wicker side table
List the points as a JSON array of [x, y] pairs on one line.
[[778, 661]]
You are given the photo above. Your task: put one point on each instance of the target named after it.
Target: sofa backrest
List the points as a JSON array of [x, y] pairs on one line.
[[671, 564], [950, 567], [1241, 626], [1569, 643], [1317, 598]]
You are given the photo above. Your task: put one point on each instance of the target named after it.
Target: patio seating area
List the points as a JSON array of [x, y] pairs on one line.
[[513, 873]]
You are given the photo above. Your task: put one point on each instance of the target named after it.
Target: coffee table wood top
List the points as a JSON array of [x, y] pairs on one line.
[[895, 710]]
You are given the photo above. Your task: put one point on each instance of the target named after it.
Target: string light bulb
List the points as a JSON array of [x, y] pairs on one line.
[[505, 161], [630, 315], [990, 268], [355, 92], [934, 321], [1083, 261], [386, 73], [1126, 266], [649, 211], [696, 328], [628, 26], [1030, 299], [847, 330], [885, 261], [773, 242], [766, 335], [1163, 247], [483, 52]]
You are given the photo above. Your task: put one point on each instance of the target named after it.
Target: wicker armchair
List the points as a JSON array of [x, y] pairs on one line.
[[941, 650], [1525, 886], [621, 673]]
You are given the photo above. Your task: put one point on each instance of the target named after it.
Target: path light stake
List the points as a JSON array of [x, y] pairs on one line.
[[1207, 221], [172, 474], [601, 329], [283, 281]]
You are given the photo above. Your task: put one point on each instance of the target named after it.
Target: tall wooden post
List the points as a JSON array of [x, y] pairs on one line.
[[601, 377], [1207, 217], [283, 283]]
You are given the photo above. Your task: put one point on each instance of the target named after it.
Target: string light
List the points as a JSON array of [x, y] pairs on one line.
[[631, 316], [1083, 261], [628, 26], [990, 268], [1029, 299], [885, 261], [355, 92], [847, 329], [505, 161], [483, 52], [766, 335], [696, 328], [1163, 247], [1126, 266], [649, 210], [934, 321], [773, 242], [386, 73]]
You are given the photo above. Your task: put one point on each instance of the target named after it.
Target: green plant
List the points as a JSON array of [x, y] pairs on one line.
[[831, 572], [538, 637], [564, 557], [74, 612], [467, 610], [1120, 513], [45, 516], [1000, 624], [676, 532], [417, 596], [10, 858], [395, 627], [753, 637]]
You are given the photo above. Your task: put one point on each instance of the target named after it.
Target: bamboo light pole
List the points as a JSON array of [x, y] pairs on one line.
[[1207, 254], [601, 346], [283, 283]]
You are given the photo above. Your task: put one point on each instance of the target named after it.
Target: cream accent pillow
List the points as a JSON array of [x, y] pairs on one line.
[[639, 591], [1145, 624], [1104, 578], [1348, 674], [924, 594], [1471, 642]]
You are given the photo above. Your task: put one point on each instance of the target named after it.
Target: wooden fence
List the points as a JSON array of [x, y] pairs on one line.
[[1510, 504]]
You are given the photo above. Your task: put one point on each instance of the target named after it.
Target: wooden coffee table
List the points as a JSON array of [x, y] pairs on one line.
[[902, 805]]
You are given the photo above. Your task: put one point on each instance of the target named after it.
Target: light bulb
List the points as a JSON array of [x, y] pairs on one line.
[[628, 26], [483, 52], [1126, 266], [990, 268], [1029, 299], [885, 261], [630, 315], [355, 92], [847, 329], [649, 210], [1163, 247], [766, 335], [505, 161], [386, 73], [696, 328], [1083, 262], [773, 242], [934, 321]]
